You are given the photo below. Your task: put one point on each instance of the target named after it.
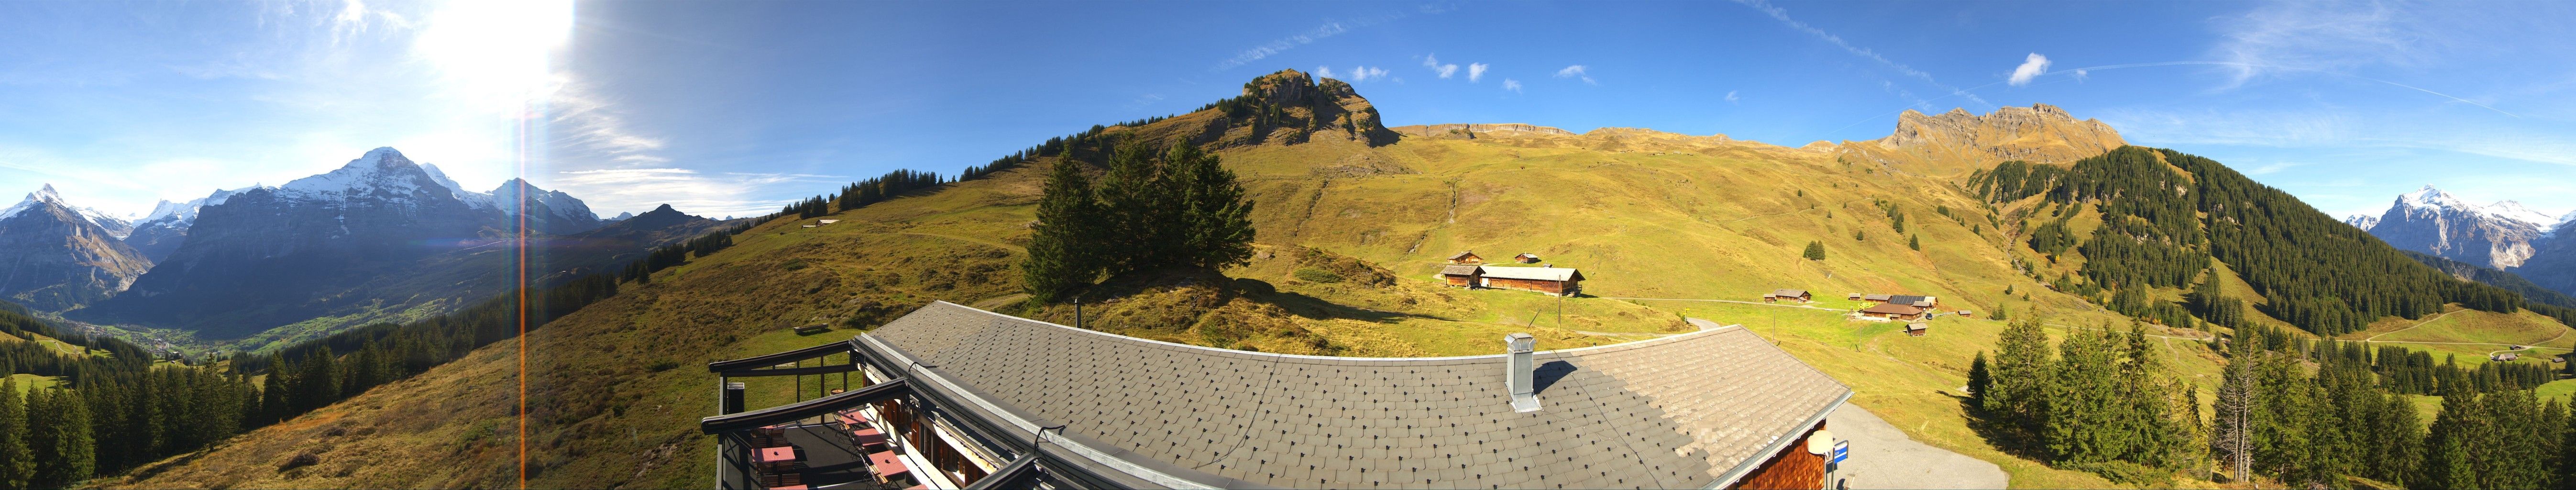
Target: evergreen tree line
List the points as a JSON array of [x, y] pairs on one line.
[[878, 189], [663, 257], [2413, 372], [2166, 213], [2104, 403], [2346, 417], [45, 360], [1180, 210]]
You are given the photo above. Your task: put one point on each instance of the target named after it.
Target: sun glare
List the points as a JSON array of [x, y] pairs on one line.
[[498, 56]]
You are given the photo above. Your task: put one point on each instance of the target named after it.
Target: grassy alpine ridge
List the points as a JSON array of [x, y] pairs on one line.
[[1348, 231]]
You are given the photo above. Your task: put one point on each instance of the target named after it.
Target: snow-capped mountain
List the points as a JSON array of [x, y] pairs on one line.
[[551, 212], [161, 231], [326, 245], [2499, 235], [54, 255], [293, 248], [2363, 221], [477, 200], [115, 226]]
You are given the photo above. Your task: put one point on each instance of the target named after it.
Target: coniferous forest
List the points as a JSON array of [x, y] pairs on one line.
[[2166, 215], [2100, 404], [1179, 210]]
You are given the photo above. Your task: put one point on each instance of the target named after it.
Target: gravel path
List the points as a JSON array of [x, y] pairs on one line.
[[1882, 457]]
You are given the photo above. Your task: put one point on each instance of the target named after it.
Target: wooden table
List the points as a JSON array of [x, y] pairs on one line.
[[868, 437], [781, 453], [887, 465]]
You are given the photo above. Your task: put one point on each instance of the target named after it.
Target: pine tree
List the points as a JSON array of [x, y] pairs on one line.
[[1216, 217], [1815, 251], [272, 394], [320, 380], [1979, 382], [2231, 435], [59, 424], [17, 464], [2086, 410], [1062, 248], [1137, 207], [1914, 242], [2021, 374]]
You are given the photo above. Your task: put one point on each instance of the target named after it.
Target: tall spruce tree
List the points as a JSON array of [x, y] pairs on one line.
[[1980, 381], [273, 392], [1062, 247], [17, 464], [1216, 218], [1137, 203], [60, 425], [1815, 251], [2086, 407], [2021, 374]]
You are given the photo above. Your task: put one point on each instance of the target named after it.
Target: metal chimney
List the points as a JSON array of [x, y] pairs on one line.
[[1524, 386], [733, 392]]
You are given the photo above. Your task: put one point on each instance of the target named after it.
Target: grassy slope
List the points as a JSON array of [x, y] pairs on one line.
[[1645, 215]]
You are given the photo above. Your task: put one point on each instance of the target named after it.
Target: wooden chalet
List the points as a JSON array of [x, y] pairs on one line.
[[2504, 357], [1467, 257], [1918, 329], [1965, 313], [1780, 294], [1922, 301], [1526, 258], [1464, 276], [1550, 280], [1891, 312]]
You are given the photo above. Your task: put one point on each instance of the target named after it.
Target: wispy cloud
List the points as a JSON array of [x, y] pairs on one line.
[[2318, 36], [2031, 67], [2342, 131], [1476, 71], [1730, 96], [1433, 62], [690, 191], [1782, 15], [1512, 85], [1576, 71], [1329, 29], [1324, 72], [1364, 73]]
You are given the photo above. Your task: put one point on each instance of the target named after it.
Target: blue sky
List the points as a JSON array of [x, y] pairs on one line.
[[733, 108]]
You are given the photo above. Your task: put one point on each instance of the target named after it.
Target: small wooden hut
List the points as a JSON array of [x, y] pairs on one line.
[[1776, 295], [1468, 257]]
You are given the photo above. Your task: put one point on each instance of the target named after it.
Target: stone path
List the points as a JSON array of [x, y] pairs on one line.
[[1882, 457]]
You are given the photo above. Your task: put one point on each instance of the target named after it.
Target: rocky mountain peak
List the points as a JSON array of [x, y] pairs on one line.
[[2040, 133], [2431, 221], [382, 173]]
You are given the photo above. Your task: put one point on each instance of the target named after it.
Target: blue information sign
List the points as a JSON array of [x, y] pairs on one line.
[[1842, 451]]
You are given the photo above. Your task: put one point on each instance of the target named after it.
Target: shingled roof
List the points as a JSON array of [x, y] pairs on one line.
[[1458, 270], [1690, 410], [1537, 273]]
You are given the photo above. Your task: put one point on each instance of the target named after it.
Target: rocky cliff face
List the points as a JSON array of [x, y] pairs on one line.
[[2500, 236], [1285, 108], [53, 256], [1471, 131], [2040, 133], [1956, 141]]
